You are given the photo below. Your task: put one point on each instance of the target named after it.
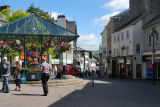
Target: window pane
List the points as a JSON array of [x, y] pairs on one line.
[[118, 38], [127, 33], [122, 36]]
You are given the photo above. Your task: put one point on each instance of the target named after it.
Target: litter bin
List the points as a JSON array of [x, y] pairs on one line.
[[23, 79]]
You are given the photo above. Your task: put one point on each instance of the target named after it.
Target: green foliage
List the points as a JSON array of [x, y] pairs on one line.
[[13, 15], [40, 13], [6, 13], [17, 15], [95, 53], [12, 53], [51, 51]]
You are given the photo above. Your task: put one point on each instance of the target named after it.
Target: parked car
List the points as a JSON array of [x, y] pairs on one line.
[[72, 70]]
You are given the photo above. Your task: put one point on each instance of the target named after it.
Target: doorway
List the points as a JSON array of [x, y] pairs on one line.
[[138, 70]]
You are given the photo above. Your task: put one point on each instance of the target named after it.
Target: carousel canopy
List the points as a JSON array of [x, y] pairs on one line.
[[33, 25]]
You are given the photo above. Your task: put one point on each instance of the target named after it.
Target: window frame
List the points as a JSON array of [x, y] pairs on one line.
[[122, 36]]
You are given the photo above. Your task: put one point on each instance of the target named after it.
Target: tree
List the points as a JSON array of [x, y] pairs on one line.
[[6, 12], [13, 15], [40, 13], [17, 15]]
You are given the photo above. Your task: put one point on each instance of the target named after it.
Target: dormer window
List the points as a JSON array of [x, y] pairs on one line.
[[117, 19]]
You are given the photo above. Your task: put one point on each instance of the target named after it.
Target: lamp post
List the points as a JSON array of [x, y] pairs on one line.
[[153, 34]]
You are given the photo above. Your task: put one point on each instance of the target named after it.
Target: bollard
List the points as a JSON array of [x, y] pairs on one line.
[[92, 79]]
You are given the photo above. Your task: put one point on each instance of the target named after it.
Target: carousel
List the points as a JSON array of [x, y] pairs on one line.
[[32, 38]]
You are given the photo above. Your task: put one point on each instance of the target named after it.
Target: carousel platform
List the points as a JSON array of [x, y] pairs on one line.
[[68, 81]]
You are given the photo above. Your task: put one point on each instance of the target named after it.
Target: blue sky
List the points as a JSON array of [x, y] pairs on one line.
[[90, 15]]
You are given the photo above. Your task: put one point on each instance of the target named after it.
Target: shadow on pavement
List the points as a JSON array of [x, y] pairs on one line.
[[28, 94], [113, 93]]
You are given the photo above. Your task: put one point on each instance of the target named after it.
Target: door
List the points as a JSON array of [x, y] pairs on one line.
[[138, 70], [157, 69]]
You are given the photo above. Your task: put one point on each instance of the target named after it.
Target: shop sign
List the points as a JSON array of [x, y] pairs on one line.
[[121, 60], [128, 62]]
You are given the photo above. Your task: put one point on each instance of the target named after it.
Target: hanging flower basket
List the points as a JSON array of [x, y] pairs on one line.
[[64, 46], [49, 43], [4, 47], [15, 44]]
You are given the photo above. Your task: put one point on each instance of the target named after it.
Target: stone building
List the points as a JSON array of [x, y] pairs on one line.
[[104, 52], [148, 47], [134, 20], [151, 22], [106, 47]]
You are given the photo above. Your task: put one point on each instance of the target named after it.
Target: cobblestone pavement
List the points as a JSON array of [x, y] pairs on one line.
[[105, 93]]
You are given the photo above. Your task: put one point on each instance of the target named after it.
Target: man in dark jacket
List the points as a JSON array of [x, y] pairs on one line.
[[5, 75]]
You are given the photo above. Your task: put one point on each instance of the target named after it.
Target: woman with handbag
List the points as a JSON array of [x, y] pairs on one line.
[[18, 75]]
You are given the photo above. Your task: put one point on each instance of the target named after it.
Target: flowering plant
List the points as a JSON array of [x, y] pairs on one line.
[[16, 46], [49, 43], [4, 46], [64, 46], [33, 54], [15, 42]]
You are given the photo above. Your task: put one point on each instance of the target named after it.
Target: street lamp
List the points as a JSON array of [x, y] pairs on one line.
[[153, 34]]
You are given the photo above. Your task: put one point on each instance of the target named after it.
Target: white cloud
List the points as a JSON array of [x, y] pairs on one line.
[[88, 42], [105, 19], [54, 14], [116, 4]]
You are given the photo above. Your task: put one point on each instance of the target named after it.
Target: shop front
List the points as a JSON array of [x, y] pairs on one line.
[[149, 66], [124, 67]]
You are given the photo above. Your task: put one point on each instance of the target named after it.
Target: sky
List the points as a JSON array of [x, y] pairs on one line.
[[91, 16]]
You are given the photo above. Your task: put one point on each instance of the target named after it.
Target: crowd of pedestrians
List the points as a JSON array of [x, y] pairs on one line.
[[88, 73], [45, 70]]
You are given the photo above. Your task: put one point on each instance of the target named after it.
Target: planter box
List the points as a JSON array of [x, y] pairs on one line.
[[33, 76]]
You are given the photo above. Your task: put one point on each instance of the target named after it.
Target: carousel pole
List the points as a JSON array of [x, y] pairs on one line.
[[24, 52], [41, 47]]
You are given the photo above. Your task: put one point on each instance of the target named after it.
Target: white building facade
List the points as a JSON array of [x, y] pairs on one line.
[[127, 46], [104, 52]]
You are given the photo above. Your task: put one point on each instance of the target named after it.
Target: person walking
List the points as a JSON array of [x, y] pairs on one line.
[[5, 75], [18, 75], [45, 69], [55, 70], [63, 70]]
